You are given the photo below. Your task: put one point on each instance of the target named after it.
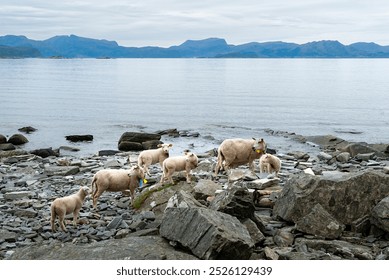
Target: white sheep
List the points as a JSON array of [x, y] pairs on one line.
[[65, 205], [235, 152], [270, 163], [186, 162], [149, 157], [117, 180]]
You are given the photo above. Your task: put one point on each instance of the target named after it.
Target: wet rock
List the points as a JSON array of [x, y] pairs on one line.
[[79, 138], [44, 153], [17, 139], [3, 139], [27, 129], [130, 146], [107, 153], [261, 184], [320, 223], [345, 197], [151, 144], [132, 141], [130, 248], [213, 235], [380, 214]]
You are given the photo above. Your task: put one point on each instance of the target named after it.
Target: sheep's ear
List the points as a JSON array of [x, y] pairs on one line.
[[159, 145], [254, 139], [136, 167], [170, 145]]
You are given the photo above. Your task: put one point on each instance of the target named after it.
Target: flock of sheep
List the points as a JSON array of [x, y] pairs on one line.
[[231, 153]]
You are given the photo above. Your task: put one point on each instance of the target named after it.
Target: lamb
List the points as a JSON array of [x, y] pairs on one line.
[[65, 205], [186, 162], [236, 152], [117, 180], [270, 163], [148, 157]]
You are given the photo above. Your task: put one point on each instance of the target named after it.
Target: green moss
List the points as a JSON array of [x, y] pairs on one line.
[[138, 201]]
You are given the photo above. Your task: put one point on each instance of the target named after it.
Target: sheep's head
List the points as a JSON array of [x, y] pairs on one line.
[[139, 173], [191, 158], [165, 147], [86, 190], [259, 146]]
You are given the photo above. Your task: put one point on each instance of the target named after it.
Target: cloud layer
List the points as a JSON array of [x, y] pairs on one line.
[[170, 22]]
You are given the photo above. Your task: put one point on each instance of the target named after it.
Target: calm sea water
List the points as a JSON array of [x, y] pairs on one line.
[[222, 98]]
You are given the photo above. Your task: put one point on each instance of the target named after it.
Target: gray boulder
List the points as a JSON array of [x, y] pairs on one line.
[[236, 201], [380, 214], [208, 234], [17, 139], [346, 198], [320, 223], [3, 139], [205, 188]]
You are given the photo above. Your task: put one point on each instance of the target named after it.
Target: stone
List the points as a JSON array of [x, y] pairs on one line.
[[346, 197], [241, 174], [18, 195], [213, 235], [365, 156], [283, 237], [27, 129], [260, 184], [380, 214], [343, 157], [340, 248], [107, 153], [130, 146], [320, 223], [79, 138], [7, 147], [132, 141], [61, 170], [236, 201], [151, 144], [18, 139], [127, 248], [324, 156], [205, 188], [44, 153], [115, 223], [3, 139], [360, 148], [256, 235]]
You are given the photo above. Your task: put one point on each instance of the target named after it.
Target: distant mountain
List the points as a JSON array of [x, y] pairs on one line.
[[79, 47], [18, 52]]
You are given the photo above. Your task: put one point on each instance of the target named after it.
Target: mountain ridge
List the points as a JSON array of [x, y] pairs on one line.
[[72, 46]]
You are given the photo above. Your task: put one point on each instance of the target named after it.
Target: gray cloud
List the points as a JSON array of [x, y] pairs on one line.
[[170, 22]]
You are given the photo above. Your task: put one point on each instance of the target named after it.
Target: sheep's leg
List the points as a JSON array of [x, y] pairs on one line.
[[62, 222], [188, 176], [95, 197], [52, 221], [75, 217]]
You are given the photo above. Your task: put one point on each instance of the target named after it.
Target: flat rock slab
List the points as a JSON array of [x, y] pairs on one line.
[[130, 248], [207, 233]]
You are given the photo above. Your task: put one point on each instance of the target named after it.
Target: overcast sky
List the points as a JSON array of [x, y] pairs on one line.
[[171, 22]]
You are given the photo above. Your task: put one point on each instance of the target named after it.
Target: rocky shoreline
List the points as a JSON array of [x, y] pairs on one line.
[[332, 204]]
